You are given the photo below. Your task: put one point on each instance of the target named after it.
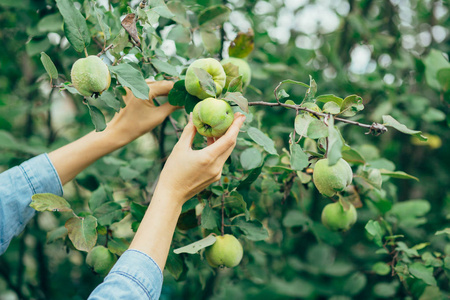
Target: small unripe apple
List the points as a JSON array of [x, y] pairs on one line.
[[335, 218], [90, 76], [101, 260], [332, 179], [214, 68], [212, 117], [225, 252], [244, 69]]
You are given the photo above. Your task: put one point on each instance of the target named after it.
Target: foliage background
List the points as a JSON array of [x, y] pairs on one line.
[[375, 49]]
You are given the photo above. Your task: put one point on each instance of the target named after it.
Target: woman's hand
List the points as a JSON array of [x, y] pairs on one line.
[[186, 173], [189, 171], [141, 116]]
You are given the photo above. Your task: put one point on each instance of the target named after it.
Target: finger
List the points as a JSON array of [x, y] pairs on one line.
[[228, 140], [166, 109], [159, 88], [187, 137]]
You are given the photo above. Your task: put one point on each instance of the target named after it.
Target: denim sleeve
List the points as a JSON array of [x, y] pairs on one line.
[[17, 185], [134, 276]]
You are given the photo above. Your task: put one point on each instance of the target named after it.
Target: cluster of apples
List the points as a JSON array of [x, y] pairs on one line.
[[212, 117], [330, 180]]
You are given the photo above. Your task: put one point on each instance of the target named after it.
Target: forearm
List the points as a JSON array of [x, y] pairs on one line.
[[73, 158], [155, 232]]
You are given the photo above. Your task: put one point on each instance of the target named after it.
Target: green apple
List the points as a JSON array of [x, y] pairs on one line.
[[332, 179], [101, 260], [244, 69], [212, 117], [225, 252], [90, 76], [335, 218], [214, 68]]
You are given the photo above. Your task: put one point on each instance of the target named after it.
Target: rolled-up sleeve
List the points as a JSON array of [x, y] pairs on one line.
[[134, 276], [17, 185]]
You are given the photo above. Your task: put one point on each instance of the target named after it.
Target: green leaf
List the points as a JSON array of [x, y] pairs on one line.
[[371, 177], [177, 95], [242, 45], [299, 159], [175, 265], [381, 268], [331, 108], [197, 246], [56, 234], [253, 229], [214, 16], [235, 205], [301, 123], [131, 78], [317, 129], [263, 140], [386, 290], [295, 218], [82, 232], [353, 156], [443, 76], [397, 174], [137, 211], [179, 11], [209, 218], [443, 231], [294, 289], [50, 23], [374, 230], [97, 117], [206, 81], [127, 173], [250, 158], [251, 177], [408, 212], [108, 213], [100, 15], [119, 42], [390, 121], [355, 283], [408, 252], [75, 27], [211, 39], [434, 62], [161, 8], [49, 66], [165, 67], [418, 270], [235, 85], [237, 98], [330, 98], [49, 202], [334, 143], [118, 246], [351, 105], [98, 197], [109, 98]]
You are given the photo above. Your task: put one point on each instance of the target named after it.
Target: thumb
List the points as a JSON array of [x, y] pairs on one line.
[[188, 134]]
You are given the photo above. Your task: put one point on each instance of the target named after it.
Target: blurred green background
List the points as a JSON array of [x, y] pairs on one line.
[[388, 52]]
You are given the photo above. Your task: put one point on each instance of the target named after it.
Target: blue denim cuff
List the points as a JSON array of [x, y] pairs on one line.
[[134, 276], [41, 175], [17, 185]]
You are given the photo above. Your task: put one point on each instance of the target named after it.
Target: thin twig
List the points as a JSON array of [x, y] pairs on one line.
[[105, 49], [379, 128]]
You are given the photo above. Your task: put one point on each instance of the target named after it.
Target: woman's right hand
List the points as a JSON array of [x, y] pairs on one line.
[[188, 171]]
